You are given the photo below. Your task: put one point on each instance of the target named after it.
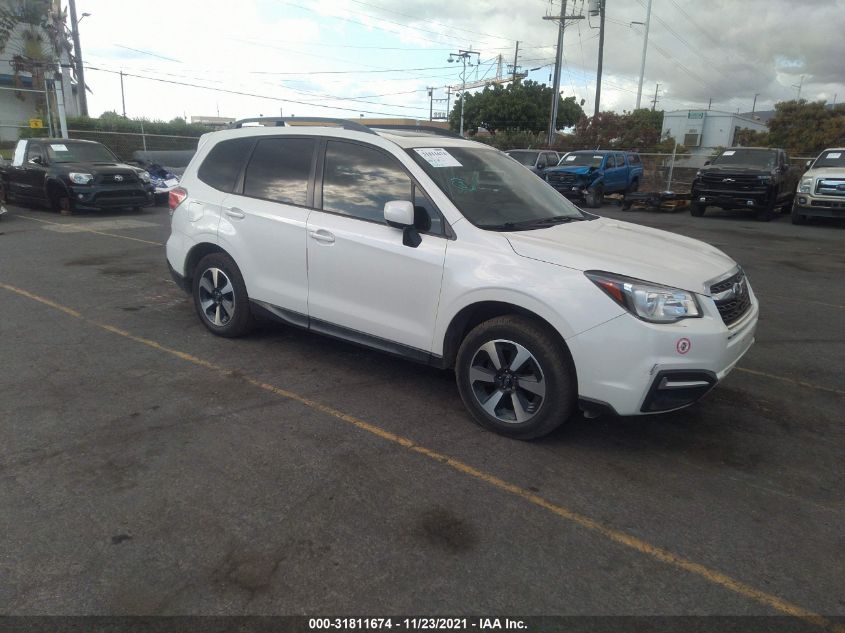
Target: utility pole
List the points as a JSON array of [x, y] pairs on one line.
[[77, 49], [448, 101], [654, 101], [430, 103], [799, 85], [754, 105], [463, 56], [645, 48], [710, 103], [602, 11], [515, 59], [558, 56], [122, 96]]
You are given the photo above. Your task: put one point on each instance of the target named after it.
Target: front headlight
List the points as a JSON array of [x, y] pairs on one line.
[[144, 176], [806, 185], [650, 302], [79, 178]]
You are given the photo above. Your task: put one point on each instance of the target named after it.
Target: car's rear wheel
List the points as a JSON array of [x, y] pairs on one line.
[[696, 209], [515, 378], [220, 296]]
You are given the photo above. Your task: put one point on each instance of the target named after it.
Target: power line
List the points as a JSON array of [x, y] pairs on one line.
[[241, 93]]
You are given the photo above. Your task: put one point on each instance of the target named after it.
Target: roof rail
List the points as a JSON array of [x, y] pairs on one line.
[[430, 129], [288, 120]]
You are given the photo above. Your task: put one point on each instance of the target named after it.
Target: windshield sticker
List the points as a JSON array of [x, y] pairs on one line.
[[599, 156], [729, 152], [437, 157], [570, 159], [834, 155], [59, 148]]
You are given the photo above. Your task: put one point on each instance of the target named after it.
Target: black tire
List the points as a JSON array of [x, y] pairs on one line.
[[634, 186], [696, 209], [227, 313], [4, 193], [60, 201], [595, 197], [766, 214], [798, 218], [549, 368]]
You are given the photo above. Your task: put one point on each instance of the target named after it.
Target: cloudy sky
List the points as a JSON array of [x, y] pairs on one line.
[[377, 57]]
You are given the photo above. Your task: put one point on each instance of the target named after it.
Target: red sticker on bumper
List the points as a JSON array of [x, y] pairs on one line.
[[683, 346]]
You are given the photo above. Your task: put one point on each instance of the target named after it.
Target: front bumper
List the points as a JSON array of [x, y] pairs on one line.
[[636, 367], [733, 199], [110, 197], [814, 206]]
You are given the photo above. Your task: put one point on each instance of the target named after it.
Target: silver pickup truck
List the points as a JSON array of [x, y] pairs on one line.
[[821, 190]]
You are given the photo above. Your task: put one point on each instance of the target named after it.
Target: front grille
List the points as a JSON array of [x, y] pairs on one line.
[[562, 179], [727, 182], [112, 179], [831, 187], [737, 303]]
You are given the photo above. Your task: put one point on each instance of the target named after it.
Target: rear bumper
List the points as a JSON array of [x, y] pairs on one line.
[[183, 282]]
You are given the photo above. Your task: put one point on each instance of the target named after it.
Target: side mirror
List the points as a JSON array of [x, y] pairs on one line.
[[36, 160], [808, 164], [707, 162], [399, 213]]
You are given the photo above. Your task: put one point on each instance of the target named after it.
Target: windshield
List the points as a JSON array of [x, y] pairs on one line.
[[761, 158], [491, 190], [833, 158], [79, 153], [581, 159], [526, 158]]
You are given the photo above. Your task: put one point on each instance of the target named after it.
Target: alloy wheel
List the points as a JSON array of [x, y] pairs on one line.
[[216, 296], [507, 381]]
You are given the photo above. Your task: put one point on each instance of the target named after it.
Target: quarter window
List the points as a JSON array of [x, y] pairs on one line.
[[222, 166], [279, 170], [359, 180]]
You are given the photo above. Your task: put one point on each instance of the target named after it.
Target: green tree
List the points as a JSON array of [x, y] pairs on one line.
[[640, 129], [806, 127], [523, 106]]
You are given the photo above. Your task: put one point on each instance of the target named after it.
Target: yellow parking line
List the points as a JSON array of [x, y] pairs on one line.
[[83, 228], [609, 533]]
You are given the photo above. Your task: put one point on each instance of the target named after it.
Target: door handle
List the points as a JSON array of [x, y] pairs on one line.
[[234, 212], [323, 236]]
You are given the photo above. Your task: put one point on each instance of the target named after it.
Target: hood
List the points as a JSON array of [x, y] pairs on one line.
[[626, 249], [825, 172], [581, 171], [98, 168]]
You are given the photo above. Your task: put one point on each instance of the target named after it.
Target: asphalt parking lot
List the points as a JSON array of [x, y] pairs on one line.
[[150, 468]]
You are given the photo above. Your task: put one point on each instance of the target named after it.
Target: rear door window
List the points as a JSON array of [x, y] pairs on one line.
[[222, 167], [280, 169]]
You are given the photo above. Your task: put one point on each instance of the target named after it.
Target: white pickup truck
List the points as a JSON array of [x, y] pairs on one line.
[[821, 190]]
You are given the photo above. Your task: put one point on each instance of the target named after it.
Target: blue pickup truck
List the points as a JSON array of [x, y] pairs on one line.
[[588, 175]]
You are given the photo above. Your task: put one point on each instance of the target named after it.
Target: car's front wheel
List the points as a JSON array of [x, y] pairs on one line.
[[515, 378], [696, 209], [798, 218], [220, 296], [595, 197]]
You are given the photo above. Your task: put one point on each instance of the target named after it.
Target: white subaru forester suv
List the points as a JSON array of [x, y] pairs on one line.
[[449, 252]]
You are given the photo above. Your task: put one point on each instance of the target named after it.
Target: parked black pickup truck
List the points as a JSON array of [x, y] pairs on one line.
[[73, 174], [755, 178]]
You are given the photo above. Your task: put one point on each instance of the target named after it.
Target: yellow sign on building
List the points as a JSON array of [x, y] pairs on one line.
[[36, 123]]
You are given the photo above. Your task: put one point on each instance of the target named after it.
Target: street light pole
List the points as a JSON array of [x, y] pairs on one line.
[[77, 49], [463, 56]]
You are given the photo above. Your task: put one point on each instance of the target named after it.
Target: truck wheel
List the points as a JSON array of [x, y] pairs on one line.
[[634, 186], [767, 213], [515, 378], [798, 218], [595, 197], [696, 209]]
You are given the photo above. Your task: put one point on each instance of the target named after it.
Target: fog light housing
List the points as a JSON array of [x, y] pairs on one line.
[[802, 200]]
